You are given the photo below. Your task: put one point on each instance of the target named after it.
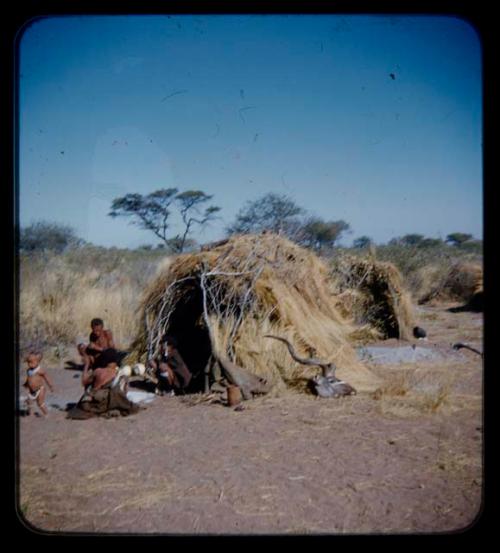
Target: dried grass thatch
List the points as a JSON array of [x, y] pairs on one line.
[[463, 281], [246, 287], [372, 294]]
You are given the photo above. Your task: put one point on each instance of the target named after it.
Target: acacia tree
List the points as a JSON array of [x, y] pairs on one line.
[[190, 203], [407, 240], [415, 241], [318, 234], [458, 238], [150, 212], [274, 212], [431, 243], [280, 214], [362, 242]]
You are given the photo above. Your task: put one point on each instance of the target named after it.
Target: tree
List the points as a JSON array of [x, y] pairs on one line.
[[190, 203], [274, 212], [412, 240], [458, 238], [362, 242], [150, 212], [177, 245], [45, 236], [431, 243], [318, 234], [278, 213]]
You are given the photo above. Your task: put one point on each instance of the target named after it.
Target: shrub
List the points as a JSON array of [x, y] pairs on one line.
[[44, 236]]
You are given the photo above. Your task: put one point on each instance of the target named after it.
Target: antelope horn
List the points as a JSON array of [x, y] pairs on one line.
[[315, 362], [459, 345]]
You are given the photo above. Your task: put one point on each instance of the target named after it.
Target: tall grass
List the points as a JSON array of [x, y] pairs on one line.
[[60, 294]]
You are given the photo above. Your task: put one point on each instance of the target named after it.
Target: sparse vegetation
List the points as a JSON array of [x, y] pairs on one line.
[[414, 391], [81, 281]]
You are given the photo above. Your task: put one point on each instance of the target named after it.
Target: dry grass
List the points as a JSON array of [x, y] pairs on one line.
[[408, 392], [36, 500], [373, 295], [59, 297], [435, 273], [458, 282]]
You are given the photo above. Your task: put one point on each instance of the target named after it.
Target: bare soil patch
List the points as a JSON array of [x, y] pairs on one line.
[[405, 459]]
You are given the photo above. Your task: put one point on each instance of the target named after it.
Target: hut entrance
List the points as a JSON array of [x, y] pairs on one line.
[[188, 327], [382, 313]]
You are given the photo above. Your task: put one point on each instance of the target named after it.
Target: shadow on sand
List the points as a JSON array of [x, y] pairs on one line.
[[72, 366], [67, 407], [145, 385], [465, 308], [474, 305]]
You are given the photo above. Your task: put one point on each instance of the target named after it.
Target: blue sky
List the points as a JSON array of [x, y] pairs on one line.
[[239, 106]]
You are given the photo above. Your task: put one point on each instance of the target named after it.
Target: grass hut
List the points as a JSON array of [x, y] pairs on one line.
[[228, 297], [372, 294], [462, 281]]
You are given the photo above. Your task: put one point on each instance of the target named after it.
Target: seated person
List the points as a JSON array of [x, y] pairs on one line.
[[102, 396], [103, 372], [171, 370], [100, 340]]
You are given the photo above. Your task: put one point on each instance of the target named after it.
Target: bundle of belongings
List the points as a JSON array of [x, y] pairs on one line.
[[106, 399]]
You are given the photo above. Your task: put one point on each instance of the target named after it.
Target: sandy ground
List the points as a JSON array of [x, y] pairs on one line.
[[407, 459]]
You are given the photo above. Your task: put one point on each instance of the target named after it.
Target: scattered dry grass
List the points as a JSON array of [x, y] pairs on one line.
[[415, 391], [35, 499]]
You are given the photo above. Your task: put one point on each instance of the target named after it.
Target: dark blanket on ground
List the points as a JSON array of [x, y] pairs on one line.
[[106, 402]]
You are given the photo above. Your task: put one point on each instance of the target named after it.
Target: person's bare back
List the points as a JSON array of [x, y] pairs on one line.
[[101, 376], [104, 376]]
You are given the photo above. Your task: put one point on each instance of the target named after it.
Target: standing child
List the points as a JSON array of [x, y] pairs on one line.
[[35, 382]]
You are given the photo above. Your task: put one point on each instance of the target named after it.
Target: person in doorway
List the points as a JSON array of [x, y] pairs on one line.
[[171, 370]]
